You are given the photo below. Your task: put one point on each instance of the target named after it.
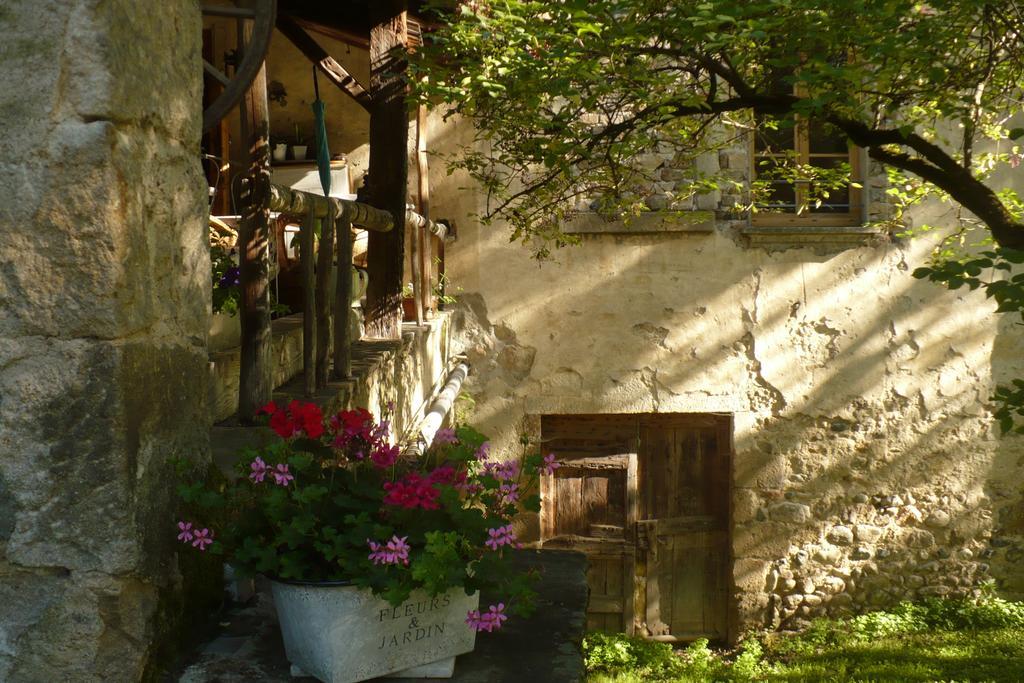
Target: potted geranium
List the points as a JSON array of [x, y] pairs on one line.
[[376, 559]]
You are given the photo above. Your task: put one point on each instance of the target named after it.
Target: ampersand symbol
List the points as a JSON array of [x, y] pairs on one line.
[[414, 623]]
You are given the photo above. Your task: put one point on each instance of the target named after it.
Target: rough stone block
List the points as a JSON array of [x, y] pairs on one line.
[[789, 512], [840, 535]]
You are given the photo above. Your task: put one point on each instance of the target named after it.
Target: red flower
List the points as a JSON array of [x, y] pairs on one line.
[[385, 456], [412, 492], [352, 424], [446, 474], [297, 419]]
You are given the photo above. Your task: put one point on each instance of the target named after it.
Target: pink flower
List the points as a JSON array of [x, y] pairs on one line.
[[488, 621], [502, 535], [202, 538], [508, 494], [497, 615], [186, 534], [385, 456], [549, 465], [396, 550], [281, 475], [445, 435], [1015, 160], [507, 471], [483, 452], [259, 470]]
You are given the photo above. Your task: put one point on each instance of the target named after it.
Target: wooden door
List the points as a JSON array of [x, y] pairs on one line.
[[590, 504], [683, 528], [646, 497]]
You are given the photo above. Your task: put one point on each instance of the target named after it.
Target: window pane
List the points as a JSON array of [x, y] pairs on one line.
[[777, 195], [838, 199], [824, 139]]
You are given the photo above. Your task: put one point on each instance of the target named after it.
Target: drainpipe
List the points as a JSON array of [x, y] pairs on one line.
[[441, 406]]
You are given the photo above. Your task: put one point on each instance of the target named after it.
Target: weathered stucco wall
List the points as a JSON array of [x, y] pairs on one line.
[[104, 302], [867, 468]]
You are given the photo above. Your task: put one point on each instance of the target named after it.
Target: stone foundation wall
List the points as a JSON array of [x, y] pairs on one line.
[[104, 304]]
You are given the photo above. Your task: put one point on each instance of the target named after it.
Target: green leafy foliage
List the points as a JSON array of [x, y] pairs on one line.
[[225, 274], [571, 99], [935, 640]]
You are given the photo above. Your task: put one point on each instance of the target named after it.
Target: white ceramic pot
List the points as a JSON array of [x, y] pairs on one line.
[[344, 634], [225, 331], [298, 152], [280, 151]]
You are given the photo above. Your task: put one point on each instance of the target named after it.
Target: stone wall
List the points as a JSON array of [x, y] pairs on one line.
[[867, 468], [104, 304]]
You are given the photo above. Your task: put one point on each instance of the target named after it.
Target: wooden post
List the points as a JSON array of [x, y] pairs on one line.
[[343, 300], [309, 303], [255, 385], [416, 247], [425, 242], [389, 133], [324, 296]]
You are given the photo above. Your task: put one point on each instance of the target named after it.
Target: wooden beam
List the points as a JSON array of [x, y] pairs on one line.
[[425, 304], [389, 166], [308, 304], [324, 297], [254, 382], [328, 65], [343, 300]]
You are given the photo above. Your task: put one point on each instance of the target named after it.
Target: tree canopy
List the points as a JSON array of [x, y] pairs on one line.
[[568, 95]]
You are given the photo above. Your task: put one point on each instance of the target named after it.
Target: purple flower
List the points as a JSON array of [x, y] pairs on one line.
[[230, 278], [259, 470], [394, 551], [508, 494], [506, 471], [502, 535], [186, 534], [445, 435], [202, 538], [549, 465], [483, 452], [281, 475], [488, 621]]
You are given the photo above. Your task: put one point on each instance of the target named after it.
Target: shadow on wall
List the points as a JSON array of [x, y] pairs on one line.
[[866, 468]]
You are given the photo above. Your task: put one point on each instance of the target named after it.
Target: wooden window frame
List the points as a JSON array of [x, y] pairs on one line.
[[803, 217]]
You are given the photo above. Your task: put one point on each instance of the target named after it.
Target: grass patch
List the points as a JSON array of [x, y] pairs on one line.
[[939, 640]]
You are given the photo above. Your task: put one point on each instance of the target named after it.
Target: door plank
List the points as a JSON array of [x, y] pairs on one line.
[[569, 494]]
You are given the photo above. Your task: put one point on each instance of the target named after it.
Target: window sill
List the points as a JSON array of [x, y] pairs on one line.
[[811, 234], [648, 222]]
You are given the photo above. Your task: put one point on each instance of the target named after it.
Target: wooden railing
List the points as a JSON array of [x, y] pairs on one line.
[[334, 218]]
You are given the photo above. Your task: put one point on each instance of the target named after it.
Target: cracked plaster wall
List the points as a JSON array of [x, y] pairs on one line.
[[104, 306], [867, 467]]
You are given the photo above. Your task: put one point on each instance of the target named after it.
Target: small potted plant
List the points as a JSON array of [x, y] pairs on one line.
[[408, 302], [376, 559], [299, 147], [225, 327]]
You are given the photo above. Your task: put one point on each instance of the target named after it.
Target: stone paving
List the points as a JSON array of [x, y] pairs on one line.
[[545, 648]]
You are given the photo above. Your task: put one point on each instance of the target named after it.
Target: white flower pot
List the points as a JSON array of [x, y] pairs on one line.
[[280, 152], [344, 634], [298, 152], [225, 331]]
